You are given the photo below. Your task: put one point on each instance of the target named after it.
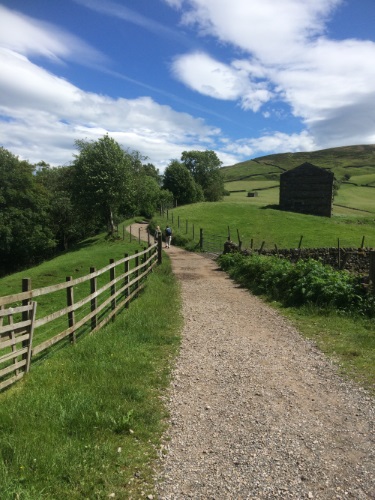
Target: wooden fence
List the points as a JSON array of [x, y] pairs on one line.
[[29, 327]]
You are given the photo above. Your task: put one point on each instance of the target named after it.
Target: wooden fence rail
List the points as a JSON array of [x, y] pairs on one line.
[[91, 302]]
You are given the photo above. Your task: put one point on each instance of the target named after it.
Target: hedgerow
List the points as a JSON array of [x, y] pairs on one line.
[[306, 282]]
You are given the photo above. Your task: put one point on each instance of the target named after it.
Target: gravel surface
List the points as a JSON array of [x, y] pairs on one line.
[[256, 411]]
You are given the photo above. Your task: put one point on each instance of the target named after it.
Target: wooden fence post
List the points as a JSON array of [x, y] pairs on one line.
[[130, 233], [31, 334], [126, 280], [239, 240], [94, 299], [193, 232], [201, 239], [160, 245], [112, 276], [70, 302], [26, 286], [137, 270], [372, 270]]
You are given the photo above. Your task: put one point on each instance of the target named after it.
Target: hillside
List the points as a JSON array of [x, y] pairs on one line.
[[354, 163]]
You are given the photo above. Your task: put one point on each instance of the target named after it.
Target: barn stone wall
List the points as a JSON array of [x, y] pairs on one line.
[[307, 189]]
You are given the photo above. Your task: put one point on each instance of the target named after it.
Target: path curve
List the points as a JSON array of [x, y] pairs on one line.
[[256, 411]]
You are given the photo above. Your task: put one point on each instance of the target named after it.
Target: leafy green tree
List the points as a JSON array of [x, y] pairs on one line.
[[25, 237], [151, 171], [65, 222], [205, 169], [148, 196], [103, 177], [179, 181]]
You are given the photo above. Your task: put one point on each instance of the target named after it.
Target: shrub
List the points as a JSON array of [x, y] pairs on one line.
[[306, 282]]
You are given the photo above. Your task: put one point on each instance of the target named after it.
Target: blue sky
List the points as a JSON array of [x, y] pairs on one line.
[[244, 78]]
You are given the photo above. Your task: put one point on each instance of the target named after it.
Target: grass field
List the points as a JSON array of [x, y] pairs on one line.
[[86, 422], [257, 222]]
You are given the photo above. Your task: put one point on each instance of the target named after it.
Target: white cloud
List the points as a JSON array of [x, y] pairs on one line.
[[30, 37], [287, 57], [215, 79], [42, 115]]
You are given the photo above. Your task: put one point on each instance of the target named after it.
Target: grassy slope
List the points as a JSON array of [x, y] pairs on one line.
[[356, 161], [85, 422], [261, 223]]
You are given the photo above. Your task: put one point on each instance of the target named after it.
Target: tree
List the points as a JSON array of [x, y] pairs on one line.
[[25, 236], [179, 181], [151, 171], [205, 169], [103, 178], [65, 221], [149, 196]]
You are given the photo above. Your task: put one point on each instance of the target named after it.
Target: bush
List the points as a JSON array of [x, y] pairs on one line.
[[306, 282]]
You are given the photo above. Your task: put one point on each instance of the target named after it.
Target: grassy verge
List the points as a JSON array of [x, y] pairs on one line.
[[85, 423], [329, 307], [348, 341]]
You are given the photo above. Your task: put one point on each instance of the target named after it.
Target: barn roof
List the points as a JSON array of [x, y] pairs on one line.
[[310, 169]]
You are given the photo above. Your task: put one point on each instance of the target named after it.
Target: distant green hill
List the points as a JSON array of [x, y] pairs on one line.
[[348, 163]]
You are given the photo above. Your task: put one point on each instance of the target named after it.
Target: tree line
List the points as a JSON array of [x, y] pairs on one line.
[[45, 209]]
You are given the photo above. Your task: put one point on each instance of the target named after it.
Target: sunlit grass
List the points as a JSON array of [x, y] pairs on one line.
[[349, 341], [260, 223], [84, 423]]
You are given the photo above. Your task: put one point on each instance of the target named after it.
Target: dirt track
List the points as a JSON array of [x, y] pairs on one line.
[[256, 411]]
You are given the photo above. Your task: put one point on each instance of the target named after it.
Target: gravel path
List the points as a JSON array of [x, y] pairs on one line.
[[256, 411]]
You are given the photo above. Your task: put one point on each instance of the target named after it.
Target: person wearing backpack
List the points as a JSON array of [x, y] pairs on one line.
[[168, 236]]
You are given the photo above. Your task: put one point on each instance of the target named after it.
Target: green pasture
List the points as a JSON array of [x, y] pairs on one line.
[[266, 196], [356, 197], [363, 180], [353, 199], [255, 183], [248, 169], [264, 224]]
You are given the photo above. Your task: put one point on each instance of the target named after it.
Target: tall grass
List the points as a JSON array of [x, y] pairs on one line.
[[85, 423]]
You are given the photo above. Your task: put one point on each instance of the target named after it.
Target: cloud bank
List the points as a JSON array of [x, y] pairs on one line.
[[277, 60]]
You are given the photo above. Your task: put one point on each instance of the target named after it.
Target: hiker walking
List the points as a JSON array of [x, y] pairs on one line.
[[168, 236]]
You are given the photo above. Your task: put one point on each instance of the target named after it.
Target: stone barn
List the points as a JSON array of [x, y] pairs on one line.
[[307, 189]]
